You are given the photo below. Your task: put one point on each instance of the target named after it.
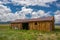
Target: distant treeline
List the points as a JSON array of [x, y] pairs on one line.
[[57, 24], [5, 22]]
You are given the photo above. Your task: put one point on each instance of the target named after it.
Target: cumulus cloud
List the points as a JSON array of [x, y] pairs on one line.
[[57, 16], [33, 2], [58, 5], [7, 15], [5, 1], [39, 14], [25, 11], [0, 2], [4, 9], [57, 12], [3, 12]]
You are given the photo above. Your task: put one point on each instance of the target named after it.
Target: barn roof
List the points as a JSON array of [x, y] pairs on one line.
[[50, 18]]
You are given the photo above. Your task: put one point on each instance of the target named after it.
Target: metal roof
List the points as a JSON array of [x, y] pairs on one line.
[[49, 18]]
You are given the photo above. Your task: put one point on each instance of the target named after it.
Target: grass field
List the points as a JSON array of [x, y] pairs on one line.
[[8, 34]]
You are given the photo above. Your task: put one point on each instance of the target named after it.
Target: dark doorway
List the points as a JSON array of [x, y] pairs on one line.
[[25, 26]]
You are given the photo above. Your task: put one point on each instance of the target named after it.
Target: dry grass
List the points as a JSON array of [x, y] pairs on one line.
[[4, 24]]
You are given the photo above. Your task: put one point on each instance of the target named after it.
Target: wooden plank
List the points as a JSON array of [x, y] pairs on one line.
[[47, 26], [38, 25], [30, 26]]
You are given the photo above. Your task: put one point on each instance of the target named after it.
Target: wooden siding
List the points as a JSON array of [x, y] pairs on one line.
[[18, 25], [42, 26]]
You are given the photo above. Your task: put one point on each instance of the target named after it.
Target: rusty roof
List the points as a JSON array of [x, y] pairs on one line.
[[50, 18]]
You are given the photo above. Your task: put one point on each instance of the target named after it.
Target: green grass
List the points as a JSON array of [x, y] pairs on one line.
[[9, 34]]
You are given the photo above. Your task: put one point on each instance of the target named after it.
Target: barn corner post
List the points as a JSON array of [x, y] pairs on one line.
[[53, 23]]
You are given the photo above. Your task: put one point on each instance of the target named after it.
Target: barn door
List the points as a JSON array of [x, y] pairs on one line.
[[25, 26]]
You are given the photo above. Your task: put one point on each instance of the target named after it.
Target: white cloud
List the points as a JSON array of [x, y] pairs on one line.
[[3, 12], [57, 12], [57, 16], [58, 5], [5, 1], [24, 11], [4, 9], [28, 10], [34, 14], [1, 3], [6, 15], [33, 2], [40, 13]]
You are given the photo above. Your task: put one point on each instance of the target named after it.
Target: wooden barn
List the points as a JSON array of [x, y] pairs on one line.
[[42, 24]]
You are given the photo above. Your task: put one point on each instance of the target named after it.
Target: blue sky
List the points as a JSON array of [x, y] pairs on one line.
[[20, 9]]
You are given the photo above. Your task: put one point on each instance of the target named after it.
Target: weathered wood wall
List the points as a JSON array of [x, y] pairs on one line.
[[42, 26], [16, 25]]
